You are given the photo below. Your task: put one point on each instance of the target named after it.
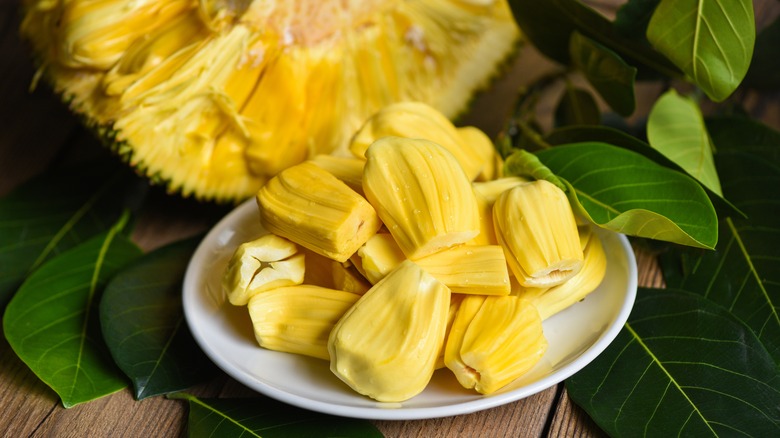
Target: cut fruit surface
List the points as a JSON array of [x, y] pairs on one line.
[[213, 97]]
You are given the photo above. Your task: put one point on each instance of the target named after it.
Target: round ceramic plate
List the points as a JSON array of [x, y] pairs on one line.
[[575, 336]]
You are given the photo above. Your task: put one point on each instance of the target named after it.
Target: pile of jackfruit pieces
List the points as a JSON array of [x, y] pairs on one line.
[[411, 255]]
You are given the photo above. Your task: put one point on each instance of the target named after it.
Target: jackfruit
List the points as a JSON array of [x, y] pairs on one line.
[[493, 341], [470, 269], [347, 169], [535, 225], [262, 264], [311, 207], [379, 255], [550, 301], [213, 97], [486, 193], [421, 194], [346, 277], [387, 344], [470, 146], [298, 319]]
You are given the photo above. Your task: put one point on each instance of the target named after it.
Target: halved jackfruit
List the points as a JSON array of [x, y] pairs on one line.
[[215, 96]]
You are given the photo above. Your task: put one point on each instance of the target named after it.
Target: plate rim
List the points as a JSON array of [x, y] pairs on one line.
[[192, 274]]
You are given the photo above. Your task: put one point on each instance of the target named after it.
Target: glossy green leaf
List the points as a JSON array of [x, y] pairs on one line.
[[625, 192], [676, 128], [743, 273], [711, 41], [143, 323], [606, 71], [267, 418], [632, 18], [735, 133], [55, 212], [52, 321], [681, 366], [604, 134], [577, 107], [526, 164], [549, 25], [764, 73]]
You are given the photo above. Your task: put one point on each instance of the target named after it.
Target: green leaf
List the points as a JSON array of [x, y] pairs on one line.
[[676, 128], [633, 17], [743, 273], [625, 192], [549, 24], [143, 323], [604, 134], [606, 71], [267, 418], [51, 323], [711, 41], [734, 133], [682, 366], [577, 107], [55, 212], [524, 163], [763, 73]]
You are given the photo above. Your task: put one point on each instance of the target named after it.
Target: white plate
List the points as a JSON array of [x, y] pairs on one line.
[[576, 336]]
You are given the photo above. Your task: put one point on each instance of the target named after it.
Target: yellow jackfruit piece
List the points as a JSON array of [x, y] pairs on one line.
[[319, 269], [493, 341], [262, 264], [475, 140], [347, 169], [535, 225], [550, 301], [486, 194], [346, 277], [470, 269], [421, 194], [214, 97], [311, 207], [416, 120], [386, 345], [298, 319], [379, 255]]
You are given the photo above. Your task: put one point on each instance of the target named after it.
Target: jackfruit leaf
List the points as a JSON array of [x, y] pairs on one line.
[[267, 418], [625, 192], [675, 127], [549, 24], [763, 73], [743, 273], [632, 18], [735, 133], [524, 163], [606, 71], [57, 211], [52, 321], [711, 41], [577, 107], [604, 134], [143, 323], [681, 366]]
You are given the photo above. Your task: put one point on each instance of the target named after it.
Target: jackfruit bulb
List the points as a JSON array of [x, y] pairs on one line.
[[214, 97]]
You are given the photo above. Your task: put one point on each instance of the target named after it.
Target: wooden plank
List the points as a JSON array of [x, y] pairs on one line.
[[525, 417]]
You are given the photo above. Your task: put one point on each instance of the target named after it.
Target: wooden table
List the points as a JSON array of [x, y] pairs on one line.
[[38, 131]]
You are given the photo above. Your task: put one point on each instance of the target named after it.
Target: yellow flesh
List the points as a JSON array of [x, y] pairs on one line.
[[215, 97]]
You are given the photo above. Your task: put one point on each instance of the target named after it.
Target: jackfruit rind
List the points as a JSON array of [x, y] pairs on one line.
[[214, 96]]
